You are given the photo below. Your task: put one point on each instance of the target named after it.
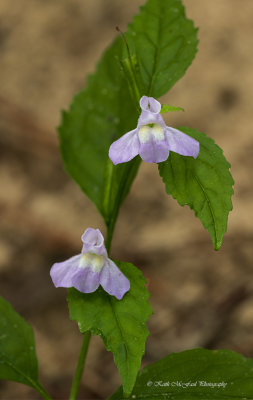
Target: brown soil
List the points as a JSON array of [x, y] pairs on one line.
[[200, 297]]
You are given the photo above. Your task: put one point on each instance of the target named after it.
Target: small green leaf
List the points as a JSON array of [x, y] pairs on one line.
[[18, 361], [204, 184], [162, 44], [167, 108], [120, 323], [195, 375]]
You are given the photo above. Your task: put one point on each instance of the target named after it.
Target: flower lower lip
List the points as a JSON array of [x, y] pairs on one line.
[[149, 132], [94, 261]]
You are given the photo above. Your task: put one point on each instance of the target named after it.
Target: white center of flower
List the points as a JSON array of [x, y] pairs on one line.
[[147, 132], [92, 260]]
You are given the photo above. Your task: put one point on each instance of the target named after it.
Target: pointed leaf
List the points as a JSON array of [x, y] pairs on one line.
[[18, 361], [98, 115], [162, 44], [195, 375], [167, 108], [120, 323], [165, 44], [204, 184]]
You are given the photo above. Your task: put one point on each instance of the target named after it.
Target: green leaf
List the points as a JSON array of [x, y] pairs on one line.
[[18, 361], [120, 323], [165, 43], [195, 374], [96, 118], [162, 45], [167, 108], [204, 184]]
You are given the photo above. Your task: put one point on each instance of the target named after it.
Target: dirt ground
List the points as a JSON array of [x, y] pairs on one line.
[[200, 297]]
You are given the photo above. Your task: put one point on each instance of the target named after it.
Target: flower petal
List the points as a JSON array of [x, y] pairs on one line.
[[113, 281], [86, 280], [153, 150], [93, 242], [125, 148], [63, 272], [181, 143], [150, 113], [150, 104]]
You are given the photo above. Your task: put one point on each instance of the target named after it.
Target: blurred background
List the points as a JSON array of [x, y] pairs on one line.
[[200, 297]]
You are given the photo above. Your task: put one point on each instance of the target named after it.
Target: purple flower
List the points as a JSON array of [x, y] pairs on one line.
[[91, 268], [152, 139]]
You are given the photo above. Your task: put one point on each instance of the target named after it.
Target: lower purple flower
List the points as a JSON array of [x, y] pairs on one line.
[[91, 268], [152, 139]]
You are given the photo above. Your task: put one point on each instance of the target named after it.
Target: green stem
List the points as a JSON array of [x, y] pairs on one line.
[[127, 68], [130, 60], [80, 365], [110, 230], [122, 193], [135, 84]]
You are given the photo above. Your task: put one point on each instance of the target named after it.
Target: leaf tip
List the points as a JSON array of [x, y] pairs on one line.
[[217, 245]]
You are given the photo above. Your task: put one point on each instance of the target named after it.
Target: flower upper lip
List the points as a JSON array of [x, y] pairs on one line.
[[150, 104], [93, 242]]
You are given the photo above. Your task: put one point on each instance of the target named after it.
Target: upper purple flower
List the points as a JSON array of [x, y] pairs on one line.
[[91, 268], [152, 139]]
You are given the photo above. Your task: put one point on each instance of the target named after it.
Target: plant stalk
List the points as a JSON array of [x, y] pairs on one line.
[[80, 366]]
